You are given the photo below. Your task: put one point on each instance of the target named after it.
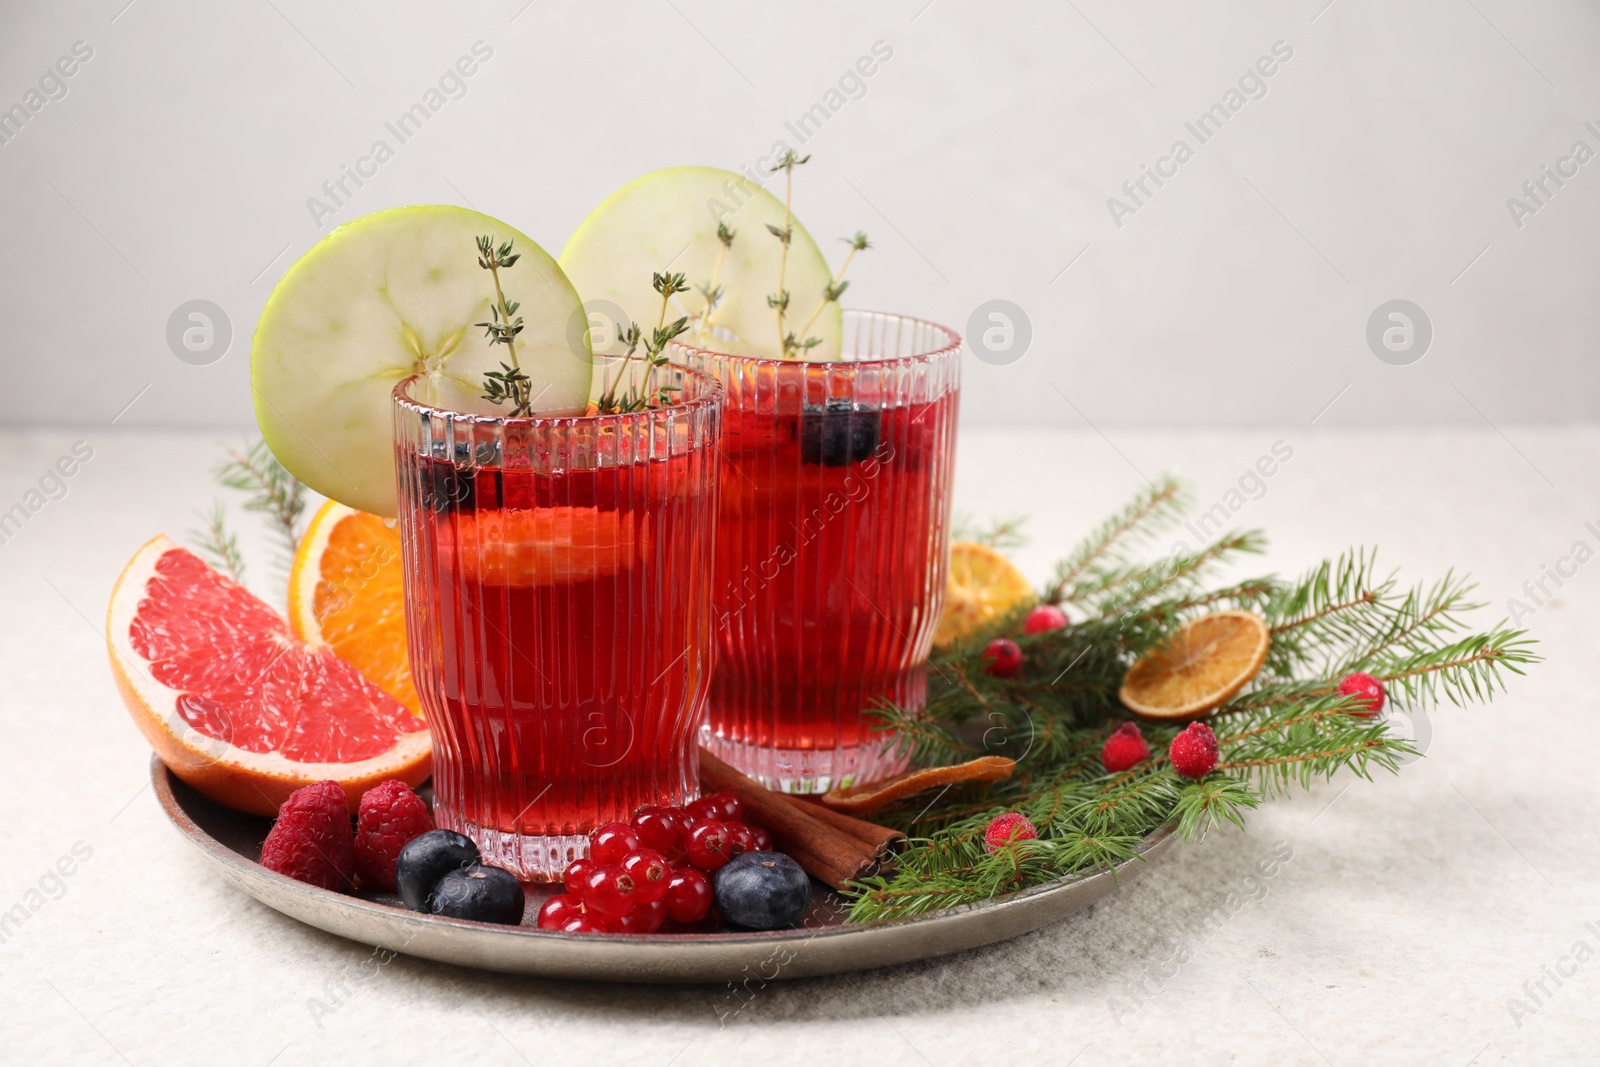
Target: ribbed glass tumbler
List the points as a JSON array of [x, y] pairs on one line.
[[832, 538], [558, 592]]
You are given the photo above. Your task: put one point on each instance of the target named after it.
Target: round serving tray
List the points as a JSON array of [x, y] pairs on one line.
[[821, 944]]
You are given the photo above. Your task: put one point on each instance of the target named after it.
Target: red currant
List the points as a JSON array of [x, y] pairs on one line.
[[741, 839], [1043, 619], [728, 807], [557, 910], [582, 924], [608, 891], [659, 828], [1004, 656], [763, 839], [648, 918], [611, 842], [701, 810], [649, 870], [576, 872], [709, 845], [688, 896]]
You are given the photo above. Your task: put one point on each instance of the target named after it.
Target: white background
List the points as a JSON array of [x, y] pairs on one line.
[[980, 159]]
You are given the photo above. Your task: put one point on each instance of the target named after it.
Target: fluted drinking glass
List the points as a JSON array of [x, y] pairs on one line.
[[558, 591]]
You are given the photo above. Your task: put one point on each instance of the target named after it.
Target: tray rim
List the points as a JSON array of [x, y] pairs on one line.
[[250, 876]]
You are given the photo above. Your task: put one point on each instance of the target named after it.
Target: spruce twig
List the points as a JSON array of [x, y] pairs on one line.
[[271, 491], [217, 544]]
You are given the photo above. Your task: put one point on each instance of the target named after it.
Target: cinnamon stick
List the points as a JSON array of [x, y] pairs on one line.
[[878, 838], [829, 853]]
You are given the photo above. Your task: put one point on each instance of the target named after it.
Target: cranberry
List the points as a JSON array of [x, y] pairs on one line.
[[1043, 619], [741, 839], [1004, 657], [611, 842], [576, 872], [763, 839], [557, 910], [608, 891], [581, 924], [659, 828], [649, 870], [1367, 690], [688, 896], [709, 844]]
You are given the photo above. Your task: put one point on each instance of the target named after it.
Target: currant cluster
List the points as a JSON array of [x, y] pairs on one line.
[[654, 867]]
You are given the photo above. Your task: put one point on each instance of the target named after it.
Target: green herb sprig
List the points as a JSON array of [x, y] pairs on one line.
[[509, 384], [635, 398]]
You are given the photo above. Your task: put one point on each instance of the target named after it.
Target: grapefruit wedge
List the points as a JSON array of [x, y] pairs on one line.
[[234, 704]]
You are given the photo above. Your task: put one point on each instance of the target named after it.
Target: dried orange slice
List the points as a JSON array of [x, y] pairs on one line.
[[1202, 666], [237, 707], [346, 591], [983, 585]]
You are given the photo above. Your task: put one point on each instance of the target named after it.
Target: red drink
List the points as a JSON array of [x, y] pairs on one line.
[[832, 536], [557, 580]]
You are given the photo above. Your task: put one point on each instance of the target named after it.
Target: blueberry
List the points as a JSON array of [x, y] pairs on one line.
[[485, 894], [426, 859], [762, 890], [450, 481], [838, 434]]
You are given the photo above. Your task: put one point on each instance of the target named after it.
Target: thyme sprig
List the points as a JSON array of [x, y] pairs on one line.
[[835, 289], [509, 385], [779, 301], [636, 397], [1286, 729], [712, 291]]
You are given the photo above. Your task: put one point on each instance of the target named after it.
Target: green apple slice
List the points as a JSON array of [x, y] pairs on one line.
[[389, 295], [667, 220]]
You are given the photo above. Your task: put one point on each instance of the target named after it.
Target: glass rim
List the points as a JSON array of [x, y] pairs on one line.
[[951, 345], [708, 396]]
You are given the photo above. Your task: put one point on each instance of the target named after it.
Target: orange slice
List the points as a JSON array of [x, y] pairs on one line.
[[522, 547], [983, 586], [346, 591], [1202, 666], [234, 704]]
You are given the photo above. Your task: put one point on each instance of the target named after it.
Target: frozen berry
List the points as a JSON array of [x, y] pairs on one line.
[[1367, 690], [709, 844], [741, 839], [557, 910], [611, 842], [426, 859], [1008, 829], [1004, 656], [1125, 748], [688, 895], [659, 828], [762, 890], [1043, 619], [390, 816], [1194, 751], [573, 877], [484, 894], [609, 891], [311, 842], [763, 839], [650, 871]]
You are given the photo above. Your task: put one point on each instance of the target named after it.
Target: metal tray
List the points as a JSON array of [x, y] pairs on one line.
[[821, 944]]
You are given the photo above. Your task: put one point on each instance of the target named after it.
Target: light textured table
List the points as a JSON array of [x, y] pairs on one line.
[[1411, 913]]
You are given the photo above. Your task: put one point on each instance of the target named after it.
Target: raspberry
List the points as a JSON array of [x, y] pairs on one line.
[[1125, 748], [390, 815], [1366, 689], [1004, 656], [1043, 619], [311, 842], [1008, 829], [1194, 751]]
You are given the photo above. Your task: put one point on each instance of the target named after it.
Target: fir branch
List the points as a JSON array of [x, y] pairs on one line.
[[217, 544], [1000, 534], [1151, 510], [271, 491]]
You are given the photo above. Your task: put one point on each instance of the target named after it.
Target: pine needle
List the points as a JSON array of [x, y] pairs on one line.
[[217, 544], [271, 491]]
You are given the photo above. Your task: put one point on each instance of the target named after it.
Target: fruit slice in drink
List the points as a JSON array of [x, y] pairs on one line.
[[384, 297], [668, 220], [234, 704]]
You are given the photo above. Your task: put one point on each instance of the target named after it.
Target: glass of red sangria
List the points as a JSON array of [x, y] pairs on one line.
[[558, 579], [832, 538]]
